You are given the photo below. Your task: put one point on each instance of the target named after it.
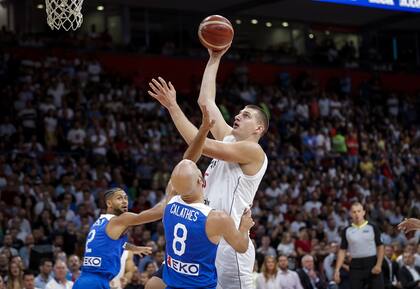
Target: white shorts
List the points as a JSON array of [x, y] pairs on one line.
[[234, 270]]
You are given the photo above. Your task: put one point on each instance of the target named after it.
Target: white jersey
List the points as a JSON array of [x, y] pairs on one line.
[[228, 189], [116, 283]]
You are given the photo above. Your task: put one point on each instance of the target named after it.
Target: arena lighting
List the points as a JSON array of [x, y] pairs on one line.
[[100, 8], [254, 21], [285, 24], [399, 5], [238, 21], [40, 6], [268, 24], [327, 32], [311, 36]]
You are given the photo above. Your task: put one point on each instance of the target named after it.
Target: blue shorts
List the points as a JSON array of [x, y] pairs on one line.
[[91, 281]]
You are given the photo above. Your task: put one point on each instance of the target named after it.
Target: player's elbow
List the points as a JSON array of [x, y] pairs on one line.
[[242, 247], [201, 100]]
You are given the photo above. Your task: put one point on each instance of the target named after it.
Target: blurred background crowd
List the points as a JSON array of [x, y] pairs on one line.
[[69, 130]]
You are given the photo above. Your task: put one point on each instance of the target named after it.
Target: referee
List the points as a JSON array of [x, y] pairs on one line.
[[363, 241]]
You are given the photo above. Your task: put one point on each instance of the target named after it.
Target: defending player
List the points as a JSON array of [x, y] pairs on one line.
[[238, 165], [192, 229], [107, 240]]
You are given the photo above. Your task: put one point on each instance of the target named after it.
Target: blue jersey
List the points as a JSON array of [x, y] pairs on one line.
[[103, 254], [190, 255]]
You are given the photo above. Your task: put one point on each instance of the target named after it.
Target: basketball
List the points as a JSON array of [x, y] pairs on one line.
[[215, 32]]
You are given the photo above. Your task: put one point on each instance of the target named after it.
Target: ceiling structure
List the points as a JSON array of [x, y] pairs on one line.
[[306, 11]]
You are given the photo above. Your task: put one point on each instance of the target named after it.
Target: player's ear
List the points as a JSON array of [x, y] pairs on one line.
[[260, 129]]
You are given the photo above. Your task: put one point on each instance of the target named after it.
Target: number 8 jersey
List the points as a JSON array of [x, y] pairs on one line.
[[190, 255], [103, 254]]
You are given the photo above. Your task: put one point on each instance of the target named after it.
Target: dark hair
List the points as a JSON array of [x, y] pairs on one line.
[[262, 116], [28, 272], [110, 192], [44, 260]]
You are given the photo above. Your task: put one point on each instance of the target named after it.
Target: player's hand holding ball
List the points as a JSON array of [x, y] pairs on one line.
[[246, 221]]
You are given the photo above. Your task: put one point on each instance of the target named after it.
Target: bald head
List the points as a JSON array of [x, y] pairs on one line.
[[185, 177]]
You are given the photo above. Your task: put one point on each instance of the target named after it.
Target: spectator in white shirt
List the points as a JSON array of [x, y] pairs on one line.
[[286, 246], [59, 281], [273, 191], [267, 279], [287, 278], [265, 248], [44, 276]]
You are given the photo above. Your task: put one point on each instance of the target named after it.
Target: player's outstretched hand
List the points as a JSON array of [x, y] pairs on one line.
[[206, 122], [217, 54], [142, 251], [409, 225], [164, 92], [246, 221]]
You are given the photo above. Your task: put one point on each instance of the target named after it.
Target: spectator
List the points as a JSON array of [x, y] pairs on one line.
[[45, 276], [4, 265], [29, 280], [59, 281], [150, 268], [7, 245], [74, 267], [409, 273], [14, 278], [390, 268], [286, 246], [265, 249], [286, 277], [267, 279], [309, 278]]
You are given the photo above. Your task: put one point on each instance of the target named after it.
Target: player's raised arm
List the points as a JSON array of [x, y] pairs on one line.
[[207, 95], [221, 224], [195, 149], [242, 152], [165, 93]]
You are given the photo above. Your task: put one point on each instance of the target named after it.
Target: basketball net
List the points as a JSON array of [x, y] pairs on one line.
[[65, 14]]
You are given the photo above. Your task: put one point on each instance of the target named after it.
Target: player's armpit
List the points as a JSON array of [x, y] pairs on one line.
[[241, 152]]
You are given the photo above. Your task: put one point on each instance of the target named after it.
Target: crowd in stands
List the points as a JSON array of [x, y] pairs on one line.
[[69, 130], [320, 50]]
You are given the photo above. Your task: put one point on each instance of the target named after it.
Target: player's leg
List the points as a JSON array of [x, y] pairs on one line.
[[156, 282]]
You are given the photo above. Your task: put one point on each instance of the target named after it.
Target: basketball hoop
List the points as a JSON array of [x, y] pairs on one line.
[[65, 14]]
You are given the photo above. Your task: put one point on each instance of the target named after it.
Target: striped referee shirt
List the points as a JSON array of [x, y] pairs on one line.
[[361, 241]]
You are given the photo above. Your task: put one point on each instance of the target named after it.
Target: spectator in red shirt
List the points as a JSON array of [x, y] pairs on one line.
[[352, 143]]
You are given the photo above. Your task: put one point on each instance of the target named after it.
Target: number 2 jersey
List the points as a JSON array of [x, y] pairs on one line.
[[190, 255], [103, 254]]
